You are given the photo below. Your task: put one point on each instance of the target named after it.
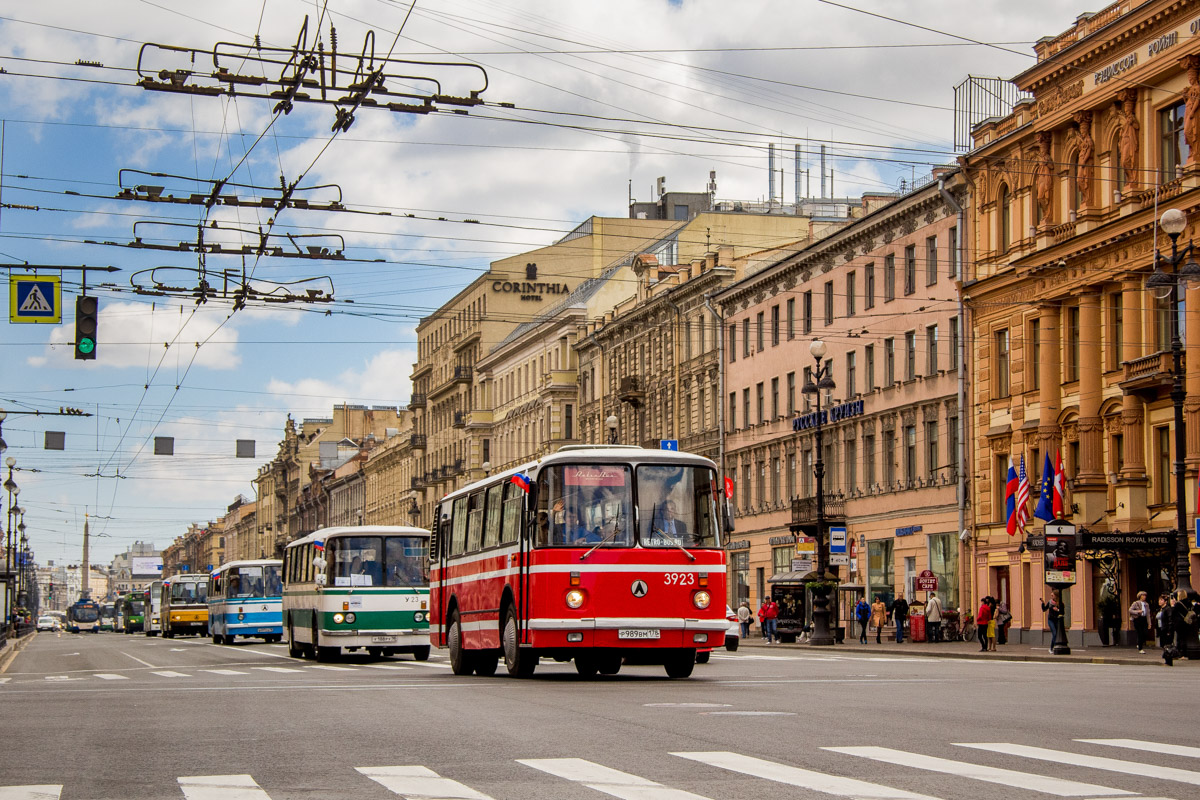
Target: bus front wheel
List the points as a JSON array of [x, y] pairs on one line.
[[519, 663], [679, 665], [461, 662]]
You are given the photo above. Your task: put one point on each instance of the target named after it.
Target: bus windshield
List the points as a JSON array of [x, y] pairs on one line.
[[677, 506], [88, 613], [379, 560], [584, 506], [134, 607], [188, 592]]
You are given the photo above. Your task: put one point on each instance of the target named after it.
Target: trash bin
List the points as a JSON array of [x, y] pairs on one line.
[[916, 627]]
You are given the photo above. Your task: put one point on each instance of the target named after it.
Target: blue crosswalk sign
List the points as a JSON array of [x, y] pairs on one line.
[[34, 299]]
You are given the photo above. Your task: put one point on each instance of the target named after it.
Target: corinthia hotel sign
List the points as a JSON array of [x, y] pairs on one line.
[[530, 288]]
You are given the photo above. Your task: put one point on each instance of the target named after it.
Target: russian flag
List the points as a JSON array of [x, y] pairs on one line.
[[319, 545], [1010, 500], [521, 480]]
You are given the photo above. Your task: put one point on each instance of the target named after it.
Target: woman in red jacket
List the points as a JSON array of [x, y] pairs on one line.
[[981, 623]]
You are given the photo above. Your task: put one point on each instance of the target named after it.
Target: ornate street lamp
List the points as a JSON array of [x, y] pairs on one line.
[[414, 512], [611, 422], [820, 381], [1170, 286], [13, 491]]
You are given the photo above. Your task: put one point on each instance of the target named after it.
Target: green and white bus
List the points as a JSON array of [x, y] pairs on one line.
[[130, 612], [354, 588]]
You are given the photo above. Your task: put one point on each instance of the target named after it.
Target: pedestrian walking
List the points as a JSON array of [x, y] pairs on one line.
[[1183, 622], [744, 615], [1139, 615], [1162, 621], [1003, 620], [900, 615], [878, 618], [985, 624], [933, 617], [862, 613], [1053, 611], [768, 613]]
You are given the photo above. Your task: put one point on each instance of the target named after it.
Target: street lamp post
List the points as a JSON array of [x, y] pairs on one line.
[[13, 491], [821, 380], [1163, 285], [611, 422]]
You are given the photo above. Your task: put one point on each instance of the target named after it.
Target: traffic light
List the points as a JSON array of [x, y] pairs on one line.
[[86, 310]]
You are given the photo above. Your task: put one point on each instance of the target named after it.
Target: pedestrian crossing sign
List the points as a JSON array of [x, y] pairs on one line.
[[34, 299]]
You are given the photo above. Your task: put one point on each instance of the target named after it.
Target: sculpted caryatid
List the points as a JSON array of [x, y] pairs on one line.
[[1129, 140], [1087, 152], [1043, 181], [1191, 111]]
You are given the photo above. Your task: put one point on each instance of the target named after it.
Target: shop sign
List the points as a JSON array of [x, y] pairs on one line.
[[802, 565], [926, 581], [782, 540], [1116, 540], [835, 414], [908, 530], [740, 544], [1059, 551]]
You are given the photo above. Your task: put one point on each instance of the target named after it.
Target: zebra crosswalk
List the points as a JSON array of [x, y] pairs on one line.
[[196, 672], [1023, 776]]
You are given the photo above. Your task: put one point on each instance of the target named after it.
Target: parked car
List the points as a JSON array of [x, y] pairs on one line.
[[47, 623], [733, 635]]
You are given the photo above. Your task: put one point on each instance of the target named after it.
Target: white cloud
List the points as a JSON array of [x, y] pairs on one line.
[[380, 380]]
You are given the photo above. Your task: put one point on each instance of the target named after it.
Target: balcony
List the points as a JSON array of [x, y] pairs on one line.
[[804, 510], [460, 420], [462, 374], [632, 391], [417, 441], [416, 482], [1150, 373], [416, 401]]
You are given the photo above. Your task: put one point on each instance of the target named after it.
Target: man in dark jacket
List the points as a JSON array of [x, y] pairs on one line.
[[900, 616]]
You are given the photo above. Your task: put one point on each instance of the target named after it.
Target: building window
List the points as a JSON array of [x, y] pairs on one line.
[[776, 479], [889, 361], [1000, 483], [733, 342], [952, 252], [791, 393], [889, 458], [808, 311], [791, 318], [954, 343], [943, 562], [910, 269], [746, 337], [568, 421], [850, 375], [791, 476], [1162, 446], [1114, 158], [781, 559], [806, 475], [758, 396], [1116, 321], [910, 455], [746, 486], [869, 353], [775, 325], [739, 563], [910, 356], [760, 330], [869, 460], [1000, 363], [1174, 145], [931, 350], [952, 447], [829, 302], [869, 286], [807, 380], [850, 459], [1072, 365], [1005, 206], [889, 278], [733, 411], [760, 485], [746, 407], [881, 576], [774, 398], [1033, 362], [851, 279], [931, 265], [932, 462]]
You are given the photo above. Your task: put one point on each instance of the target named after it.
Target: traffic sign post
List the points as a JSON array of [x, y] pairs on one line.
[[668, 444], [839, 553], [34, 299]]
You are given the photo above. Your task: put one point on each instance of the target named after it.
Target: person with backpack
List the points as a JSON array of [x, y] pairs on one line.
[[862, 613]]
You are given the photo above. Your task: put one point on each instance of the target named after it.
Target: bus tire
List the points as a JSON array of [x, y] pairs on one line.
[[294, 648], [702, 658], [608, 664], [216, 639], [519, 663], [461, 662], [586, 666], [679, 665], [375, 652], [421, 653], [486, 663], [320, 653]]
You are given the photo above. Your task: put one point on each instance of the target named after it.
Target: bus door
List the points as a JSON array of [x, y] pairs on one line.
[[525, 543], [438, 547]]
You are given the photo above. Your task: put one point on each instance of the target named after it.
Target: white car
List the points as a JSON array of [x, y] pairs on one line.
[[47, 623], [733, 635]]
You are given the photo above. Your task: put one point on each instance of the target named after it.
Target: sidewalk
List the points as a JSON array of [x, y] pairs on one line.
[[970, 650]]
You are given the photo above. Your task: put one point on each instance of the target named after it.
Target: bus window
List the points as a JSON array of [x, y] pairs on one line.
[[677, 507], [475, 522], [491, 536], [458, 542], [272, 585], [584, 505], [188, 592], [250, 583], [514, 500], [356, 560], [407, 561]]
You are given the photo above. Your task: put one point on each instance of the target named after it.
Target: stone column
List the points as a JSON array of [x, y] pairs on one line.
[[1091, 490], [1131, 482], [1049, 377]]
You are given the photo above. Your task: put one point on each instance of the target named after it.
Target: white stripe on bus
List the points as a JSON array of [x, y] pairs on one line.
[[556, 569]]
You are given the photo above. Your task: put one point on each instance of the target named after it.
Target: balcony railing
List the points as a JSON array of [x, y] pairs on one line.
[[804, 509], [416, 401], [632, 390], [460, 419], [463, 374], [417, 441], [1150, 372]]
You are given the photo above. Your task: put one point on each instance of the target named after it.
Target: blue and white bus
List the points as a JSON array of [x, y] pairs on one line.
[[245, 599]]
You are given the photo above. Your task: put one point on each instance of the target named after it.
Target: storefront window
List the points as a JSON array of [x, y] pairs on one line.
[[781, 559], [880, 571], [740, 562], [943, 562]]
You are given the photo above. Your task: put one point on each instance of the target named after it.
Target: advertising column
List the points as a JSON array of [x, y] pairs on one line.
[[1059, 558]]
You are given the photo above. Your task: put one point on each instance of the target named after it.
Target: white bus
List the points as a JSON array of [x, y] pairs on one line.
[[245, 599], [353, 588], [152, 620]]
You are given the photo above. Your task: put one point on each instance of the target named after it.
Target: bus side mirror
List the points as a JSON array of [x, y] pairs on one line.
[[727, 517], [320, 578]]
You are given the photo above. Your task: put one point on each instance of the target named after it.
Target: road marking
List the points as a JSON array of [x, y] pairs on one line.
[[965, 769], [1095, 762], [135, 658], [276, 669], [178, 649], [61, 678], [166, 673], [332, 668], [225, 671], [1150, 747], [108, 676], [221, 787], [385, 666], [803, 778], [4, 680], [430, 664], [44, 792], [419, 783], [610, 781]]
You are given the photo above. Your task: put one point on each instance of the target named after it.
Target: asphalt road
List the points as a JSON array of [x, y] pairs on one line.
[[130, 718]]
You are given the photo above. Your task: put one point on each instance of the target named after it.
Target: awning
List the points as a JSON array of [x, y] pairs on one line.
[[798, 577]]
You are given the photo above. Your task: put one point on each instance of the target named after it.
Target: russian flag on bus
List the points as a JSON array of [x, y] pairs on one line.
[[521, 480], [319, 545]]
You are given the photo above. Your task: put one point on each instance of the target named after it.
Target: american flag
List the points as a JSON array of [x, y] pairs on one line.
[[1022, 499]]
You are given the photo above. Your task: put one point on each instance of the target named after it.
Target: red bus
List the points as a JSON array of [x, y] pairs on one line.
[[603, 555]]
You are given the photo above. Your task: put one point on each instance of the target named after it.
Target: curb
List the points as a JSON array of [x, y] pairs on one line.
[[968, 656]]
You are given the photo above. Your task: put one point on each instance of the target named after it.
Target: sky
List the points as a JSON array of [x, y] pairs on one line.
[[599, 100]]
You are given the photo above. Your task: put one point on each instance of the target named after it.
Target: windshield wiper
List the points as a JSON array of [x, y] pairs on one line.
[[616, 529]]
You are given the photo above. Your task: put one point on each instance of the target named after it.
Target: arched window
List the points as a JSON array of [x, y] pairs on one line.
[[1005, 208]]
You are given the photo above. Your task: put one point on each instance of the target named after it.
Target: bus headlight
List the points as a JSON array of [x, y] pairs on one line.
[[350, 617], [339, 618], [701, 599], [418, 617], [574, 598]]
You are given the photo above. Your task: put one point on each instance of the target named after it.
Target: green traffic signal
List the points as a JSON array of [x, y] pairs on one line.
[[86, 311], [86, 345]]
